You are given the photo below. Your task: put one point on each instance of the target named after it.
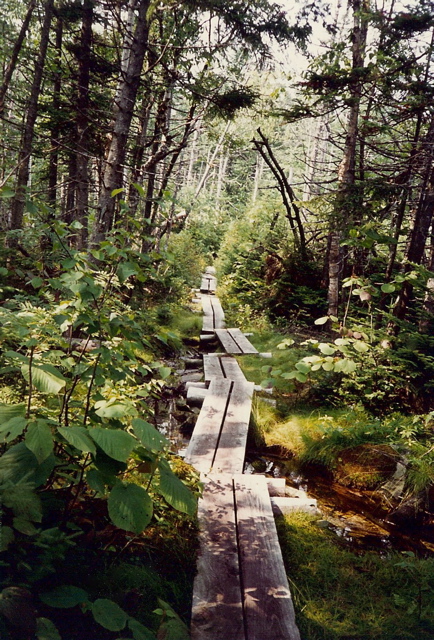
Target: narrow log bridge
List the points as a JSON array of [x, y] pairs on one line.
[[241, 590]]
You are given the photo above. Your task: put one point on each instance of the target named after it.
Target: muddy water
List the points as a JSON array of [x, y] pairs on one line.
[[355, 516]]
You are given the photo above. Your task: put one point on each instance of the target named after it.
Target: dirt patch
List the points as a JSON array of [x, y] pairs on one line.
[[366, 466]]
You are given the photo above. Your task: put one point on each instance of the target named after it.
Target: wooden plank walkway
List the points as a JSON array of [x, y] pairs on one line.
[[241, 591], [234, 341], [217, 365], [213, 314], [219, 437], [208, 283]]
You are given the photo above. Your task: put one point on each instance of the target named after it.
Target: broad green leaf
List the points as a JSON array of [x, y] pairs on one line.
[[300, 377], [326, 349], [25, 526], [39, 439], [125, 270], [290, 375], [328, 365], [9, 411], [12, 429], [116, 192], [361, 347], [64, 597], [139, 188], [115, 443], [23, 501], [149, 436], [69, 263], [6, 192], [175, 492], [316, 367], [303, 367], [46, 378], [172, 627], [312, 359], [46, 630], [17, 463], [36, 282], [288, 342], [345, 366], [3, 271], [112, 409], [276, 372], [130, 507], [79, 438], [96, 480], [6, 538], [109, 614], [342, 342], [15, 355], [164, 372], [139, 631], [322, 320], [388, 287]]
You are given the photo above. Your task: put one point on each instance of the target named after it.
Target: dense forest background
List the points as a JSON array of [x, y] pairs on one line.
[[141, 141]]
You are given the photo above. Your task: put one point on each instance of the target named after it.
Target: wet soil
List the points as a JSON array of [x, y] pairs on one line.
[[359, 516]]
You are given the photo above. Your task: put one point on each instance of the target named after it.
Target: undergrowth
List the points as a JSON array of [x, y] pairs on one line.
[[340, 595]]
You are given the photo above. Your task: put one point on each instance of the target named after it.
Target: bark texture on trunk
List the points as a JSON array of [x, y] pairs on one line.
[[14, 56], [346, 174], [123, 111], [17, 209]]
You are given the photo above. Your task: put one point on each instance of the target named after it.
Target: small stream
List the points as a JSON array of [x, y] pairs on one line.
[[355, 516]]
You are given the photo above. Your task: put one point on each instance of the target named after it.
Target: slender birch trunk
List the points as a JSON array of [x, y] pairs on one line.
[[123, 111]]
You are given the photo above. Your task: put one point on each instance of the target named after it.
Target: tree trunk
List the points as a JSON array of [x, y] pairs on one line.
[[344, 205], [7, 77], [17, 209], [123, 110], [82, 196], [286, 191]]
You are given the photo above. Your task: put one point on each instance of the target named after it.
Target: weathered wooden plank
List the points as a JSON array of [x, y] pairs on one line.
[[276, 486], [231, 449], [232, 369], [219, 315], [201, 449], [208, 284], [217, 602], [244, 344], [212, 366], [212, 286], [227, 341], [268, 608], [206, 305]]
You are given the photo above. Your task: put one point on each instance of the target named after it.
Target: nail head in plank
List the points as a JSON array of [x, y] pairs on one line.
[[217, 604], [269, 612]]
